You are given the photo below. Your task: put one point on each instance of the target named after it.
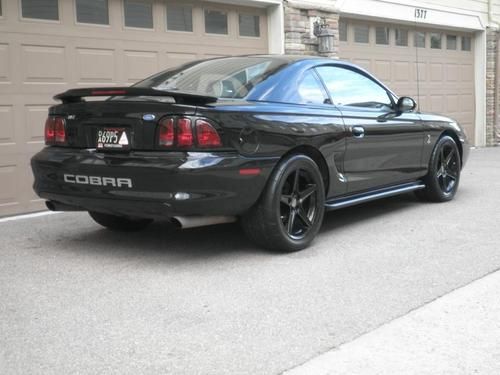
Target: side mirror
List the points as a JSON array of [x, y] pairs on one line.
[[406, 104]]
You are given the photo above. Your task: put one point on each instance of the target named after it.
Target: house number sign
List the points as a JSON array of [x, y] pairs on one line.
[[420, 13]]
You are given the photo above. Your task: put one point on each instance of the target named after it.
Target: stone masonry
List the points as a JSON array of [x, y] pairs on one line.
[[492, 92], [298, 40]]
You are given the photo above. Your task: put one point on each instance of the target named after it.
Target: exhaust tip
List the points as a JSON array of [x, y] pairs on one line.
[[185, 222], [176, 223], [50, 205], [57, 206]]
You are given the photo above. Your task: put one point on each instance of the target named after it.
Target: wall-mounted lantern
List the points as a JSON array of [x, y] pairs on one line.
[[325, 36]]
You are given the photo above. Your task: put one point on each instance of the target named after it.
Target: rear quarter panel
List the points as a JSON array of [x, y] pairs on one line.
[[260, 129]]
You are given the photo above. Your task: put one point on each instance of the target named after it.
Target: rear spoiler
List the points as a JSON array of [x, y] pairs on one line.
[[76, 95]]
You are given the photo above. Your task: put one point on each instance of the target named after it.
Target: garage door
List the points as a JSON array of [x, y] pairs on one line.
[[48, 46], [446, 64]]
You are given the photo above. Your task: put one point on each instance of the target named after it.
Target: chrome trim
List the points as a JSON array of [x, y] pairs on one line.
[[358, 131], [200, 221]]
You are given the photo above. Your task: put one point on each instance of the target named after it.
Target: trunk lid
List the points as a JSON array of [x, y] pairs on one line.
[[133, 110], [138, 117]]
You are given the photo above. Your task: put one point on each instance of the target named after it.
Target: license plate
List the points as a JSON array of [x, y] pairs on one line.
[[112, 139]]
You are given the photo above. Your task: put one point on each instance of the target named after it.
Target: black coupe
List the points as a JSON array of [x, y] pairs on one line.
[[273, 141]]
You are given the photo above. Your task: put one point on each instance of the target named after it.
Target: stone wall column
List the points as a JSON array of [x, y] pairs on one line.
[[495, 140], [492, 71], [298, 39]]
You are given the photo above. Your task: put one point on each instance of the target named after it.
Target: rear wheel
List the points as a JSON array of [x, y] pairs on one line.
[[290, 211], [441, 183], [120, 223]]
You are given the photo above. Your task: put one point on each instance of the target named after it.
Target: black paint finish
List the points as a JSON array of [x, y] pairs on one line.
[[257, 132]]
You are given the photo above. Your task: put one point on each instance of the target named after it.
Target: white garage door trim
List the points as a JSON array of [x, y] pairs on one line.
[[439, 17]]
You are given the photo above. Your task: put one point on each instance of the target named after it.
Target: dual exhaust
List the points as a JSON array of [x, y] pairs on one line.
[[182, 222]]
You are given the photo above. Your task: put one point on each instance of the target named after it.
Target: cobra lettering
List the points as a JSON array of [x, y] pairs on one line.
[[98, 180]]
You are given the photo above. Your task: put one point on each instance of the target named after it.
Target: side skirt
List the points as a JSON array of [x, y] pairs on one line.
[[335, 204]]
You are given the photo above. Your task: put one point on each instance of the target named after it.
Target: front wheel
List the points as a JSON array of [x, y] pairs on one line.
[[120, 223], [290, 211], [441, 182]]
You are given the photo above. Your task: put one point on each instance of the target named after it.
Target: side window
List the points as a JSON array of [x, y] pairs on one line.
[[350, 88], [309, 91]]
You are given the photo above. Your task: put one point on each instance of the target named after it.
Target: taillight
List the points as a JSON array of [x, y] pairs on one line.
[[166, 133], [55, 131], [50, 131], [60, 130], [207, 135], [185, 132]]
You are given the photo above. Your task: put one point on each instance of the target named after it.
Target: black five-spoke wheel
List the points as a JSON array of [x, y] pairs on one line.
[[289, 213], [448, 168], [444, 172], [298, 203]]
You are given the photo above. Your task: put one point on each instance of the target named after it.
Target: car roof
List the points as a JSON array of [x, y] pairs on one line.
[[283, 57], [297, 64], [291, 59]]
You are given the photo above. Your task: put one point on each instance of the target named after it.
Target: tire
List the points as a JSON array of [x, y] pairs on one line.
[[120, 223], [441, 182], [295, 192]]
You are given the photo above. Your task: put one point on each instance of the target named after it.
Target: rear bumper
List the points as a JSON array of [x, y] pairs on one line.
[[149, 184]]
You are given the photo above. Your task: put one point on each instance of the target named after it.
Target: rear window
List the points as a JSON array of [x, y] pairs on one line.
[[231, 77]]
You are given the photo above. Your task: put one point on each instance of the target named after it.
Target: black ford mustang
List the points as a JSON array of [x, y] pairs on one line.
[[272, 140]]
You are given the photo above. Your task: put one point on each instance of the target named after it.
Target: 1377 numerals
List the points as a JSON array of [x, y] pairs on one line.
[[420, 13]]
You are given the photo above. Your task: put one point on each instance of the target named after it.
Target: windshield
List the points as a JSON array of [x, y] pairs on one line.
[[231, 77]]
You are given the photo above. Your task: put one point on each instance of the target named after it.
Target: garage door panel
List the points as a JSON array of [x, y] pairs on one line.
[[25, 184], [467, 103], [140, 64], [382, 69], [467, 72], [43, 64], [8, 176], [364, 63], [436, 103], [401, 71], [5, 74], [173, 59], [436, 72], [95, 65], [452, 103], [35, 116], [425, 103], [7, 125], [452, 72], [421, 75]]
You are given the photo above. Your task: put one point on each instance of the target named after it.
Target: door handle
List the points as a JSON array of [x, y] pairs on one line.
[[358, 131]]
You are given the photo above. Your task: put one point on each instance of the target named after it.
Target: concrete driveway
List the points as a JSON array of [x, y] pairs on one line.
[[76, 298]]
